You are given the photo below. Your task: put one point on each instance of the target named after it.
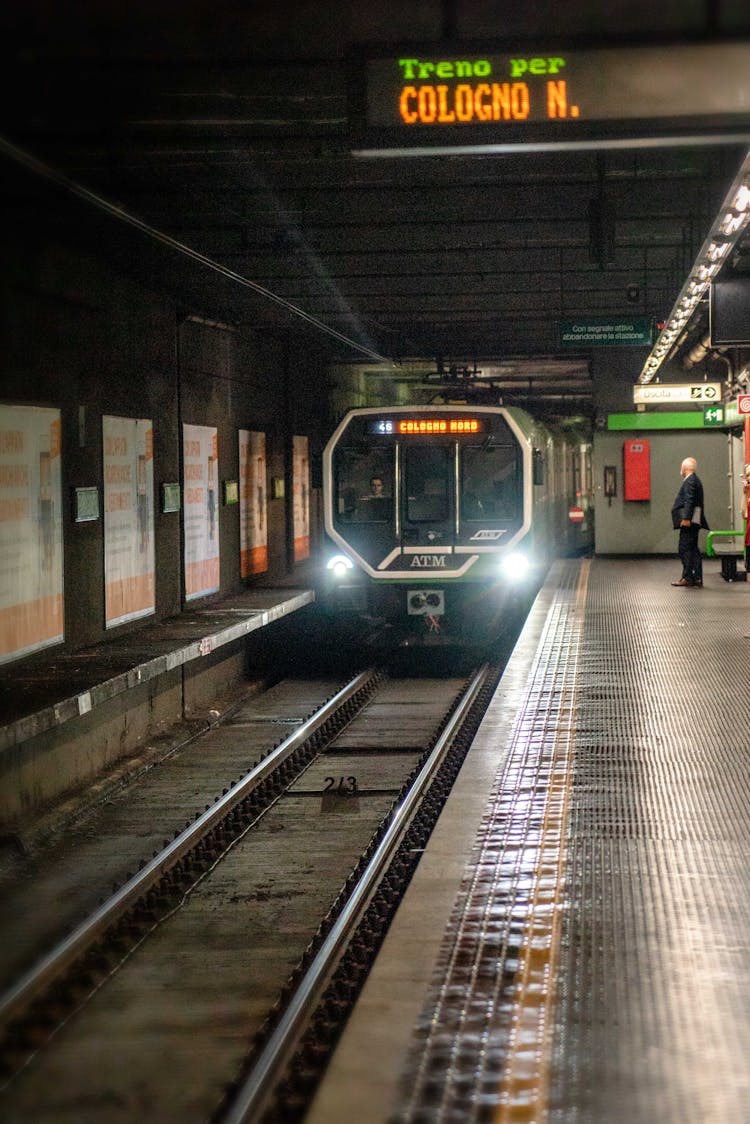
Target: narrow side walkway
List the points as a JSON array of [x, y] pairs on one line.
[[37, 695], [68, 720]]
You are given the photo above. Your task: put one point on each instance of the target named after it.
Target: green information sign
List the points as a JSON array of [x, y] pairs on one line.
[[606, 331], [684, 419], [713, 415]]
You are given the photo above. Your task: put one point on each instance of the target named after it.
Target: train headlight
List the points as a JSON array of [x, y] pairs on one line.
[[515, 566], [339, 566]]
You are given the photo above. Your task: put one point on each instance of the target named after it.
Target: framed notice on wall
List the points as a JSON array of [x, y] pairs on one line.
[[86, 504], [171, 498], [301, 498], [31, 560], [253, 503], [129, 567], [200, 509]]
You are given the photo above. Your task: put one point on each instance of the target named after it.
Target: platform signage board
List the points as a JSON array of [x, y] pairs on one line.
[[713, 415], [700, 393], [658, 419], [606, 331], [551, 94]]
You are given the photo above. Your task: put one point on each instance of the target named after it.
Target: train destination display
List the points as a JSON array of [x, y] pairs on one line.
[[425, 425], [678, 84]]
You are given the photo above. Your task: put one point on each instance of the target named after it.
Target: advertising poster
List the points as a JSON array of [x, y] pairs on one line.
[[301, 498], [200, 512], [129, 582], [31, 563], [253, 514]]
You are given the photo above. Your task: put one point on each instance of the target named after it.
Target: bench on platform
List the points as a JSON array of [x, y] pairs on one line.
[[729, 546]]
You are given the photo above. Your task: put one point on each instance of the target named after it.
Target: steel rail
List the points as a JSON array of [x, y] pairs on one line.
[[253, 1095], [16, 998]]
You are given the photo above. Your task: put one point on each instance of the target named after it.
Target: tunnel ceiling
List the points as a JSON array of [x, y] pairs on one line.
[[251, 167]]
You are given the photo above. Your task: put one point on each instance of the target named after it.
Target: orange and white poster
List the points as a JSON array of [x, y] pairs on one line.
[[129, 570], [200, 509], [31, 560], [253, 504], [301, 497]]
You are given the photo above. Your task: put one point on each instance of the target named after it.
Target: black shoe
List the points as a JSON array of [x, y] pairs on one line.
[[684, 582]]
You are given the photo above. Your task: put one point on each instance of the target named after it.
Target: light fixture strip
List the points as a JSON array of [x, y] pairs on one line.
[[733, 217]]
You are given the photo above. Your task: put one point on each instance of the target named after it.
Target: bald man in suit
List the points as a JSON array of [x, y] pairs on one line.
[[688, 517]]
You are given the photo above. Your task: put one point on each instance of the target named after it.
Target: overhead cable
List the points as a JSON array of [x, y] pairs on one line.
[[31, 162]]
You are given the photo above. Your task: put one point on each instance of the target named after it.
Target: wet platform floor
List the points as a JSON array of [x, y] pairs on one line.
[[575, 944]]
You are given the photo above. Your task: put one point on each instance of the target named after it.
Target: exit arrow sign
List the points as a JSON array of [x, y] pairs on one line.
[[713, 415]]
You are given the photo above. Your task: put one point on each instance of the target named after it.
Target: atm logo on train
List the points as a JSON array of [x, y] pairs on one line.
[[428, 562]]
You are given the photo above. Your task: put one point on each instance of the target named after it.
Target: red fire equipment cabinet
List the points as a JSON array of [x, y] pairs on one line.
[[636, 470]]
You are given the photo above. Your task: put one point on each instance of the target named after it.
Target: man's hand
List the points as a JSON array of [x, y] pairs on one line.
[[684, 522]]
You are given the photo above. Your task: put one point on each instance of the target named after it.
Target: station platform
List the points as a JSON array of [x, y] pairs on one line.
[[65, 717], [575, 943]]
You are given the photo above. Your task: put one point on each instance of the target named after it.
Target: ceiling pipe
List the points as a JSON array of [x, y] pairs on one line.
[[697, 353], [701, 350], [730, 367]]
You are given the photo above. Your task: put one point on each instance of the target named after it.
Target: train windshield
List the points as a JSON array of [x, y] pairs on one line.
[[364, 485], [427, 483], [491, 482]]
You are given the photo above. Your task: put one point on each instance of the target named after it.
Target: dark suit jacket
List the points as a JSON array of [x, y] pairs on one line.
[[689, 503]]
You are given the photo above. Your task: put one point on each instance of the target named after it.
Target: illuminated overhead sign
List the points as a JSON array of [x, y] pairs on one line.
[[699, 392], [425, 425], [429, 92]]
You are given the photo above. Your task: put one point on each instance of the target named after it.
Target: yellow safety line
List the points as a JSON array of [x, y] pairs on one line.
[[524, 1089]]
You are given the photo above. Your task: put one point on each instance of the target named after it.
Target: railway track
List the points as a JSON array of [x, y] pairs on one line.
[[187, 993]]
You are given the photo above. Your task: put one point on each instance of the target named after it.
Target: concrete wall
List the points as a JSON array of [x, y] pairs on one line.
[[41, 769], [81, 335], [138, 724], [645, 527]]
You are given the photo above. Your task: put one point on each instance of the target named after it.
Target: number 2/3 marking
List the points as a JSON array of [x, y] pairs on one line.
[[347, 786]]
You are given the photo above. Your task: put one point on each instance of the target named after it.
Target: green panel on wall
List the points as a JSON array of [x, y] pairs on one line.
[[685, 419]]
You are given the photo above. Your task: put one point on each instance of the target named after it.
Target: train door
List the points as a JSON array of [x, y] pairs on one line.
[[427, 499]]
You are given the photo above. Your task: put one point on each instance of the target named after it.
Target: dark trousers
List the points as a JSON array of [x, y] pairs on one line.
[[690, 555]]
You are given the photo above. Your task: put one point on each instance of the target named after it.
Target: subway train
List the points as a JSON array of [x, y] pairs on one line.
[[440, 519]]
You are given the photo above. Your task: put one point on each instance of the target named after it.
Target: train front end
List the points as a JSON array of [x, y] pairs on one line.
[[429, 513]]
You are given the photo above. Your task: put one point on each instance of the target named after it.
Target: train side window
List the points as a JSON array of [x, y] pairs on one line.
[[490, 482], [538, 466]]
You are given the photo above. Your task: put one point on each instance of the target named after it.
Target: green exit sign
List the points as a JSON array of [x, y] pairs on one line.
[[713, 415]]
